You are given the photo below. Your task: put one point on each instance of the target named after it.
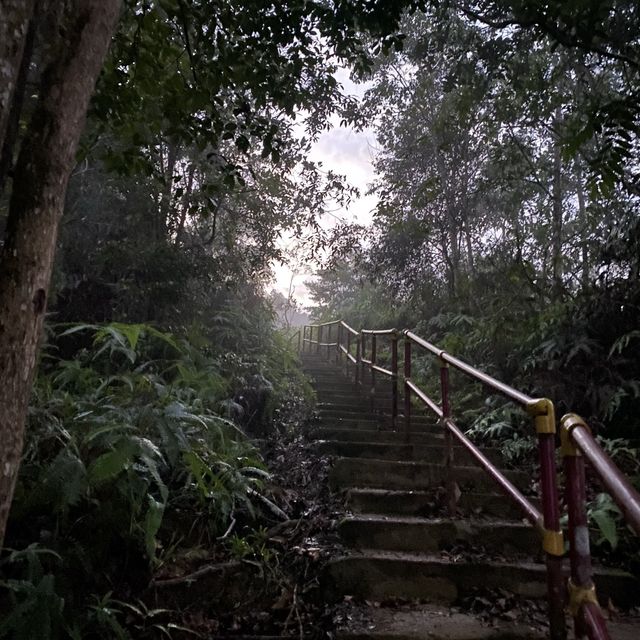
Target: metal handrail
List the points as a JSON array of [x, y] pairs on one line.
[[324, 324], [615, 482], [379, 332], [382, 370], [511, 393], [351, 330], [578, 446], [529, 511]]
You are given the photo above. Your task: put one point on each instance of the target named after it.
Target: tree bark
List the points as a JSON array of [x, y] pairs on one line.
[[45, 161], [556, 220], [15, 18], [15, 58], [584, 229]]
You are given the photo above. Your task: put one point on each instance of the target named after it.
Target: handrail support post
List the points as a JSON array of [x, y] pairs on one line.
[[543, 414], [407, 388], [448, 439], [372, 391], [394, 380], [583, 602]]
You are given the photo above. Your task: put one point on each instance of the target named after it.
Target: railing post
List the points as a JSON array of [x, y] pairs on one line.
[[346, 360], [373, 373], [448, 438], [543, 414], [319, 333], [358, 363], [394, 379], [363, 355], [407, 390], [583, 602]]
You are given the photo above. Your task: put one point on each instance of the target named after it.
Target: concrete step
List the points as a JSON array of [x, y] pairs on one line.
[[334, 382], [399, 451], [367, 420], [371, 432], [377, 575], [425, 503], [372, 424], [420, 622], [412, 534], [355, 412], [347, 473], [346, 386]]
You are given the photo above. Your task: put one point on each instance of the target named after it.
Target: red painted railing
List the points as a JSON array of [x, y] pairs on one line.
[[577, 445]]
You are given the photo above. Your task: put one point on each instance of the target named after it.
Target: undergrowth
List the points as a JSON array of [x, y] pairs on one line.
[[136, 448]]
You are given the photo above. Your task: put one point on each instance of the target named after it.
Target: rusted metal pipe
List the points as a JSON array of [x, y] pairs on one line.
[[394, 380], [505, 485], [515, 395], [617, 485], [407, 388], [347, 359], [431, 405], [553, 543], [372, 369], [351, 330], [594, 622], [363, 355], [581, 590], [448, 441]]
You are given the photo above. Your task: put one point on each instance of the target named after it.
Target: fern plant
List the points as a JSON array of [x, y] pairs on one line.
[[128, 447]]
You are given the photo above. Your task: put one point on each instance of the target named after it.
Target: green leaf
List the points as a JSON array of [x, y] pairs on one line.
[[111, 464], [607, 526], [152, 522]]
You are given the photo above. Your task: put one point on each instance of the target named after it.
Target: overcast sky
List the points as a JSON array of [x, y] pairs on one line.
[[347, 152]]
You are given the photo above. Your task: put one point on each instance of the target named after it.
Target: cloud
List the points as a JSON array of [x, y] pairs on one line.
[[349, 152]]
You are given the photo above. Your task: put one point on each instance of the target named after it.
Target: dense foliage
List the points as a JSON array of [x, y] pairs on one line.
[[507, 231], [507, 225], [137, 450], [497, 233]]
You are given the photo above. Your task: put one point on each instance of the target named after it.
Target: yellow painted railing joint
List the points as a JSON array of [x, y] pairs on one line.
[[553, 542], [567, 424], [543, 413], [579, 596]]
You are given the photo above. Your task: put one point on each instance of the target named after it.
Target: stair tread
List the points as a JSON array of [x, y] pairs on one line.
[[412, 492], [399, 443], [371, 435], [377, 518], [425, 557], [422, 463], [430, 621]]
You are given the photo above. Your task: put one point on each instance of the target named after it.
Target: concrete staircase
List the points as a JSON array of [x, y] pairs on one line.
[[402, 544]]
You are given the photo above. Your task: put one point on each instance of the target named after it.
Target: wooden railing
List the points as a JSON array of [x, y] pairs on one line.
[[577, 445]]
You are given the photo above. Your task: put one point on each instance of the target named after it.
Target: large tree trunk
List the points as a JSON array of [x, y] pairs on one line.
[[19, 18], [583, 217], [15, 17], [44, 164], [556, 218]]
